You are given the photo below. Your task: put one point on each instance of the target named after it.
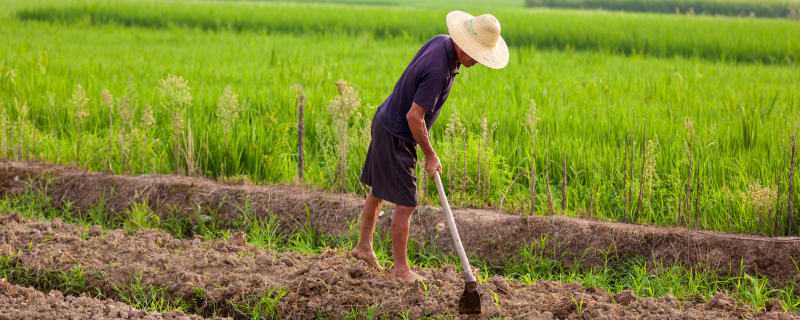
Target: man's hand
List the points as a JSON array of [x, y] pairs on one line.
[[432, 165]]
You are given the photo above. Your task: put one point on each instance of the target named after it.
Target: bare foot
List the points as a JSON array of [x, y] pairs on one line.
[[367, 256], [407, 276]]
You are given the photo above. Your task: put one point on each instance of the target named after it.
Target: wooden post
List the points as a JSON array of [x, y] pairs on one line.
[[592, 201], [12, 151], [625, 182], [640, 199], [688, 196], [550, 207], [532, 185], [698, 214], [301, 103], [790, 209], [465, 169], [776, 213], [21, 143], [3, 139], [564, 185], [479, 184]]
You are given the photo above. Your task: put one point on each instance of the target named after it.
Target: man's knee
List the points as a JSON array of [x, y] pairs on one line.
[[404, 210], [372, 199]]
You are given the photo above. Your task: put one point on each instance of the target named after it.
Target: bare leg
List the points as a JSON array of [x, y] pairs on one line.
[[369, 217], [401, 221]]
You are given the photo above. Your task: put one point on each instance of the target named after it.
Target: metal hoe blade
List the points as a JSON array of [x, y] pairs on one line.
[[470, 302]]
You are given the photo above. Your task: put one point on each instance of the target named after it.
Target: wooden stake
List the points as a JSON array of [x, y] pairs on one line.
[[532, 185], [640, 199], [4, 141], [550, 207], [698, 214], [564, 185], [465, 171], [625, 182], [11, 139], [629, 195], [777, 211], [301, 104], [479, 185], [687, 200], [592, 202], [790, 195]]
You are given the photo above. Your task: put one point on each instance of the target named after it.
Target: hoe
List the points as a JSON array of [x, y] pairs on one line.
[[470, 302]]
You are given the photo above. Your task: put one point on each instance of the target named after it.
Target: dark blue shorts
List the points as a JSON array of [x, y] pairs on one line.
[[390, 168]]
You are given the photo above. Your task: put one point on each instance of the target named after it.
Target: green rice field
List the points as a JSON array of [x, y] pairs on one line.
[[702, 108]]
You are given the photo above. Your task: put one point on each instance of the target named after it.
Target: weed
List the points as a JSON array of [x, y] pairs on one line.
[[261, 306], [140, 216], [579, 303], [754, 290], [264, 233], [146, 297]]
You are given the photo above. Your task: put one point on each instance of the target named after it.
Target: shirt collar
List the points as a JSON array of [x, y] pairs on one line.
[[452, 59]]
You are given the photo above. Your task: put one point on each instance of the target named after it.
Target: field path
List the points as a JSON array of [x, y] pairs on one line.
[[329, 284], [493, 236]]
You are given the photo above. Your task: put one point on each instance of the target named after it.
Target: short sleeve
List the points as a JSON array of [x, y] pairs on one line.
[[429, 90]]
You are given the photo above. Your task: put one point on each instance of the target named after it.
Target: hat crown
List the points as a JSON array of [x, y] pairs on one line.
[[485, 29]]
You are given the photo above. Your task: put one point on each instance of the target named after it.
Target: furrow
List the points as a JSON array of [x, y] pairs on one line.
[[226, 274]]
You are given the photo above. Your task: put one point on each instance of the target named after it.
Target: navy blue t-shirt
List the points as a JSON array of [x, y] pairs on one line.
[[426, 81]]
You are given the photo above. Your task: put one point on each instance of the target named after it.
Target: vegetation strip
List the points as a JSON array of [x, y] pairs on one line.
[[641, 278], [567, 240], [306, 286], [18, 302], [656, 35], [757, 8]]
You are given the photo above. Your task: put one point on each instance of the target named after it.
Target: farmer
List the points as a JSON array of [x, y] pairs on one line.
[[403, 121]]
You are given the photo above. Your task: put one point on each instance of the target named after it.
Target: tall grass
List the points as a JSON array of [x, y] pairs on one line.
[[757, 8], [220, 104], [750, 40]]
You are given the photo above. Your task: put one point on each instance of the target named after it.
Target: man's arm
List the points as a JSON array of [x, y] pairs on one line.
[[416, 122]]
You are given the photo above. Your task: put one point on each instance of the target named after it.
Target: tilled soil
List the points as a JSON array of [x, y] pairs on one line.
[[329, 284], [569, 240], [21, 303]]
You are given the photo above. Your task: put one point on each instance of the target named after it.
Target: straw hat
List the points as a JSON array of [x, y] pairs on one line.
[[479, 37]]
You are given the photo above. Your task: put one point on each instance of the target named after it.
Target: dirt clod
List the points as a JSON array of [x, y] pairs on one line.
[[357, 272], [624, 298], [501, 285]]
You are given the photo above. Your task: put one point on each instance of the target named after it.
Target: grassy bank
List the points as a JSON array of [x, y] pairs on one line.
[[643, 280]]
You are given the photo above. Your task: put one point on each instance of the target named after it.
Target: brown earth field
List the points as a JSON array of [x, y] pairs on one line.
[[493, 236], [22, 303], [328, 285]]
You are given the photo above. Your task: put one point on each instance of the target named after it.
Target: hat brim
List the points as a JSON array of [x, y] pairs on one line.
[[495, 58]]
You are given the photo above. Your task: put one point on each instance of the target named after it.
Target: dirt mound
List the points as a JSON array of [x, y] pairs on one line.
[[329, 284], [25, 303], [591, 243]]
